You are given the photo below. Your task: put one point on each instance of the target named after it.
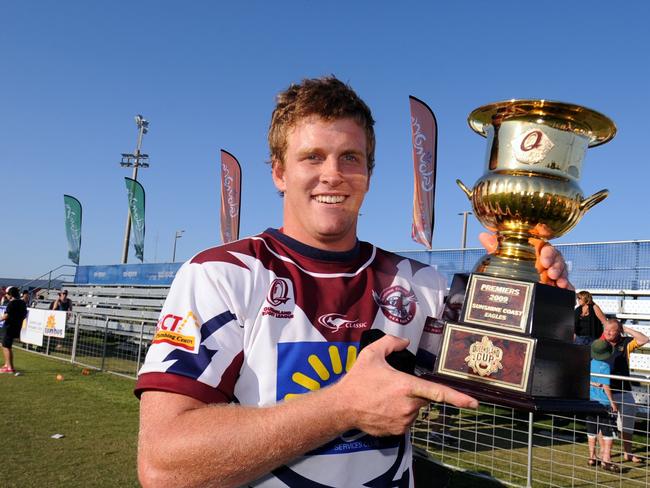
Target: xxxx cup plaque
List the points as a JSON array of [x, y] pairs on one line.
[[511, 343]]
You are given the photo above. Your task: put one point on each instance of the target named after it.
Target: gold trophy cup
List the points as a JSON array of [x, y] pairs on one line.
[[512, 342], [530, 189]]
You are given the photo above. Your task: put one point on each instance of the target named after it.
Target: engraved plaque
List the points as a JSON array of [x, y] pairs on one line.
[[498, 302], [487, 357]]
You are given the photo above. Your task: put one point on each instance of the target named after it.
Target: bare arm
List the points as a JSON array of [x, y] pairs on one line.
[[608, 392], [184, 442], [641, 339], [599, 313]]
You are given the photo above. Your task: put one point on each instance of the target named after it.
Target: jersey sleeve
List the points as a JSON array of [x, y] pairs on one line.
[[197, 349]]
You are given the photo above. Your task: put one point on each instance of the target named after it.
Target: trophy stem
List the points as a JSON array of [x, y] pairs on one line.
[[514, 258]]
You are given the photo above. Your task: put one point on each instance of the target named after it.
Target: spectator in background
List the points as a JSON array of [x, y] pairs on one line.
[[25, 297], [14, 315], [589, 320], [3, 295], [619, 363], [600, 392], [63, 302]]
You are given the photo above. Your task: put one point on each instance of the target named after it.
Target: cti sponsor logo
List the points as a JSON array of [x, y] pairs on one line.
[[337, 321], [170, 331], [397, 303]]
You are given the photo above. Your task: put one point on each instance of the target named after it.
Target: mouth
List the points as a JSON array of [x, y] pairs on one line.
[[329, 199]]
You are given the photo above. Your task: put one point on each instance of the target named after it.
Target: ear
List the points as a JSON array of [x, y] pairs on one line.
[[278, 175]]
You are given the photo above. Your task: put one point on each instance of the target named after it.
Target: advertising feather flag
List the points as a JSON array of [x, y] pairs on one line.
[[230, 197], [424, 131], [73, 227], [136, 207]]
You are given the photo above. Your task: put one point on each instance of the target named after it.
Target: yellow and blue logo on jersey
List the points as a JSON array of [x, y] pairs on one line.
[[309, 366], [304, 367]]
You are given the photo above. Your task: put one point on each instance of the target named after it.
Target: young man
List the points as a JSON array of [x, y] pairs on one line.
[[620, 366], [254, 376], [13, 317]]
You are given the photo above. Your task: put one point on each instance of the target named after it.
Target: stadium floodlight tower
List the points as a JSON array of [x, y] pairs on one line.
[[177, 236], [135, 161]]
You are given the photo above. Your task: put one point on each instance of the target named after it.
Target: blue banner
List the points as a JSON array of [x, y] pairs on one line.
[[127, 274]]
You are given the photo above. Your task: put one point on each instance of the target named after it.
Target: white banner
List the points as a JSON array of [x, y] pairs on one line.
[[54, 323], [32, 329]]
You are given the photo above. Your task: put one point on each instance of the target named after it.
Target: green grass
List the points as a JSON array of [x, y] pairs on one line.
[[97, 414]]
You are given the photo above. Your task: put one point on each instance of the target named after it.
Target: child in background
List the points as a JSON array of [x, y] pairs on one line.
[[601, 392]]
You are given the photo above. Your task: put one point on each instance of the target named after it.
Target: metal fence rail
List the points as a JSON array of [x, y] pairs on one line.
[[112, 344]]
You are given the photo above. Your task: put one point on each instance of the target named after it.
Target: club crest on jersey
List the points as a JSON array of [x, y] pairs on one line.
[[397, 303], [278, 292], [337, 321]]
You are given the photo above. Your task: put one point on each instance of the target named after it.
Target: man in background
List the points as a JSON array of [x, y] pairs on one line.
[[620, 366]]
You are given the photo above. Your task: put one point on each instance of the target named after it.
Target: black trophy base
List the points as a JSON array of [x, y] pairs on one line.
[[518, 401]]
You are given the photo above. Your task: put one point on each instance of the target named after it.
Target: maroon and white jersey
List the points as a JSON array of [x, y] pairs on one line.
[[266, 318]]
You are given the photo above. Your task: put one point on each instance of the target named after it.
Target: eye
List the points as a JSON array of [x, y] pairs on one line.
[[350, 157], [314, 157]]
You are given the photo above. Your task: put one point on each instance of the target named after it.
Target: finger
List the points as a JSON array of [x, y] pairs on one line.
[[547, 255], [565, 283], [440, 393], [555, 271], [488, 241]]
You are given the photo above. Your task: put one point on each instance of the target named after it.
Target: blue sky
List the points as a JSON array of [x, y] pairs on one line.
[[73, 74]]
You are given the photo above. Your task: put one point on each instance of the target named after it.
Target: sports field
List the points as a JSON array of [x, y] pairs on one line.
[[97, 414]]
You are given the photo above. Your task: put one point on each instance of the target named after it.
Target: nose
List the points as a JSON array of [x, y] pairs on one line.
[[331, 172]]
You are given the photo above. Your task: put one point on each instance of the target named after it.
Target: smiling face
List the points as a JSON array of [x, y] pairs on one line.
[[324, 178]]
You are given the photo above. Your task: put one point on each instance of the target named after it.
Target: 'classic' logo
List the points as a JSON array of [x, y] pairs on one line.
[[278, 292], [337, 321], [397, 303]]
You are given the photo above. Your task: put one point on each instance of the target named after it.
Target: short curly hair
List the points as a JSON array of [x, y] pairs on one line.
[[326, 97]]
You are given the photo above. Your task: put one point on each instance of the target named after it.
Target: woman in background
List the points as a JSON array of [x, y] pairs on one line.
[[589, 320]]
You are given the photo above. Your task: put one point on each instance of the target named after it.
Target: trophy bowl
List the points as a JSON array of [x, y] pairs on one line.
[[530, 188]]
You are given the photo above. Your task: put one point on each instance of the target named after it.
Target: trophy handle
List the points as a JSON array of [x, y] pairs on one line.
[[589, 202], [469, 192]]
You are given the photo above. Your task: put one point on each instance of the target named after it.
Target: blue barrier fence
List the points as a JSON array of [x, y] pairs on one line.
[[600, 265], [159, 274]]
